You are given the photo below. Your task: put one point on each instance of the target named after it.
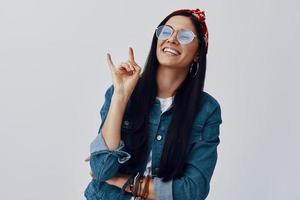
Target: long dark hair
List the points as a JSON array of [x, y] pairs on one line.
[[185, 105]]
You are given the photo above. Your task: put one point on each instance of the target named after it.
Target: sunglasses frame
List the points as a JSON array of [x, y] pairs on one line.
[[194, 35]]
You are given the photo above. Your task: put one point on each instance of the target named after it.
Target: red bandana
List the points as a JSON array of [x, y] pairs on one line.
[[201, 18]]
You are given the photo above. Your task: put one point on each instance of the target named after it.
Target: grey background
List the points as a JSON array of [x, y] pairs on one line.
[[54, 74]]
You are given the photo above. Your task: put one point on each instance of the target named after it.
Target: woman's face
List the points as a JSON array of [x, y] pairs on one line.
[[186, 53]]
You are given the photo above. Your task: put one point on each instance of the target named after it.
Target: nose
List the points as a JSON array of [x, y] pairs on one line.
[[173, 38]]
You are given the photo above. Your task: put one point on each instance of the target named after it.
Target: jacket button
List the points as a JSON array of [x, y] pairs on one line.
[[158, 137]]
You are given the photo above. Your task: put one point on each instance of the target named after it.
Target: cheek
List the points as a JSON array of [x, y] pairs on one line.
[[189, 55], [190, 51], [158, 45]]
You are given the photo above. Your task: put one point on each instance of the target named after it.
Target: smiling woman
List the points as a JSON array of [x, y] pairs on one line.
[[177, 45], [159, 132]]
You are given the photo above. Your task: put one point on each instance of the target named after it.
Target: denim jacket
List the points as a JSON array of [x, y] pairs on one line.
[[200, 162]]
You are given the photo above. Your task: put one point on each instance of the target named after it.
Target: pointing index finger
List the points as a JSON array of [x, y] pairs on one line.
[[109, 61], [131, 55]]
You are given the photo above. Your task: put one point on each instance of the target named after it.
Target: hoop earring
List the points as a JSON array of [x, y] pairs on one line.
[[191, 69]]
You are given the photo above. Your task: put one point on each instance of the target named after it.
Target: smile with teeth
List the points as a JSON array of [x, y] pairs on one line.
[[170, 51]]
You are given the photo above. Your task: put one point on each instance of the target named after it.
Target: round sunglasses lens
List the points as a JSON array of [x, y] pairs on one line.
[[185, 36], [163, 32]]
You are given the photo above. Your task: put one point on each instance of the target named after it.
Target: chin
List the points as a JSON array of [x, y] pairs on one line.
[[168, 60]]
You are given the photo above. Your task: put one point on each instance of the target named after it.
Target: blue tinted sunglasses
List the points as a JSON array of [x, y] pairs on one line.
[[184, 36]]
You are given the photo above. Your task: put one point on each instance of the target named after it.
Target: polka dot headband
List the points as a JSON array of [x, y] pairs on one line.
[[200, 14]]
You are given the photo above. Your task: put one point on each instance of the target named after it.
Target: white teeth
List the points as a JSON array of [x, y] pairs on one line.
[[172, 51]]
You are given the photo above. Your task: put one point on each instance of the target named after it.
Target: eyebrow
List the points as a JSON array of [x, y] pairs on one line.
[[180, 28]]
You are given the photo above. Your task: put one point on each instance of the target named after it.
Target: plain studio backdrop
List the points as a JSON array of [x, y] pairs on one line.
[[54, 74]]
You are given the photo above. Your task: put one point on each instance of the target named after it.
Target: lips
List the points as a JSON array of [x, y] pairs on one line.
[[171, 51]]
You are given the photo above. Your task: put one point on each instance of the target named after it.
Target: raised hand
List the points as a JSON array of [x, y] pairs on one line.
[[125, 76]]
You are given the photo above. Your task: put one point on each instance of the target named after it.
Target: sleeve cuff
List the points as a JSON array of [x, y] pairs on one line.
[[163, 190], [98, 146]]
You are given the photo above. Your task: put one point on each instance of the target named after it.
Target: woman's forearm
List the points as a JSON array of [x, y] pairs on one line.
[[111, 130]]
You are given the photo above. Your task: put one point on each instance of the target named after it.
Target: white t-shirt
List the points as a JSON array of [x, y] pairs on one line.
[[165, 104]]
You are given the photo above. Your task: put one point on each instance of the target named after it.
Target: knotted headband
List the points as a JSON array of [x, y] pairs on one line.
[[200, 14]]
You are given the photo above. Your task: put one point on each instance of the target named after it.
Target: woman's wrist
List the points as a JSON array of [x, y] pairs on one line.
[[137, 185], [120, 99], [144, 185]]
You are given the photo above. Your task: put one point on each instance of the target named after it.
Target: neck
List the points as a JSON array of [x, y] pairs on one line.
[[168, 80]]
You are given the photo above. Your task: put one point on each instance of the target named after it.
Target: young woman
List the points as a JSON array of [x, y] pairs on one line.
[[160, 131]]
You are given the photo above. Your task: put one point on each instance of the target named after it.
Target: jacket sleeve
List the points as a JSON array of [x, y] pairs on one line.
[[104, 162], [200, 164]]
